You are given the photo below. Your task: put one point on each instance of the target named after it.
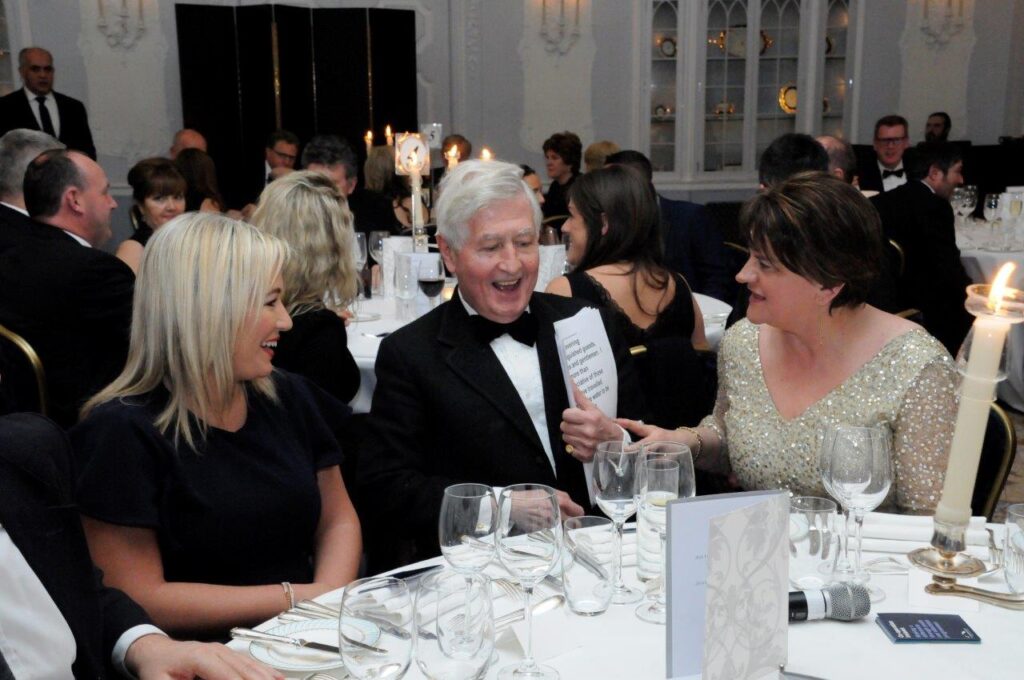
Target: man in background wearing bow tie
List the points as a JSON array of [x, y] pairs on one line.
[[891, 140], [473, 391]]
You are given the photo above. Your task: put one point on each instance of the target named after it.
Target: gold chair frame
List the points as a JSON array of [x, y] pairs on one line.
[[34, 361]]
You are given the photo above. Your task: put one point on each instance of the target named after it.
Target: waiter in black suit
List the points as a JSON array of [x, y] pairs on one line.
[[58, 619], [37, 107], [890, 141], [919, 217], [70, 300], [473, 391]]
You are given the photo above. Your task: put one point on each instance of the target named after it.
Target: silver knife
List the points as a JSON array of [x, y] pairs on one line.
[[260, 636]]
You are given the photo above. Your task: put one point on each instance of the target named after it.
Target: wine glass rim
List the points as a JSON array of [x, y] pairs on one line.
[[469, 490], [667, 444], [437, 580], [823, 504], [618, 446], [529, 486]]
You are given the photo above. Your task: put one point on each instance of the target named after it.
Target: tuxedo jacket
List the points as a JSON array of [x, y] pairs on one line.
[[73, 304], [444, 412], [934, 280], [694, 247], [37, 511], [16, 112], [14, 227]]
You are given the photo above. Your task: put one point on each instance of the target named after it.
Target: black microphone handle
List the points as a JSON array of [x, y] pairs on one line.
[[797, 606]]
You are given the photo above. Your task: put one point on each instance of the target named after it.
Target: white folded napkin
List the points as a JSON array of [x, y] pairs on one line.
[[882, 545], [916, 528]]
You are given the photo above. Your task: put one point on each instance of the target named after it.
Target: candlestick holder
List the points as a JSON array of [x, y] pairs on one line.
[[412, 158], [982, 364]]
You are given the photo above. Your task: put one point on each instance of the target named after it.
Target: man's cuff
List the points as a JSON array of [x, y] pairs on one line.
[[126, 640]]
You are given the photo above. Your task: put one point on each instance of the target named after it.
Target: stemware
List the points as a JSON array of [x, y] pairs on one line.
[[369, 600], [469, 518], [454, 628], [856, 469], [1013, 550], [990, 210], [615, 470], [529, 545], [430, 275], [375, 245]]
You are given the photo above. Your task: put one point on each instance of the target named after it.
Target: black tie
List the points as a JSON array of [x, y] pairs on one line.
[[523, 329], [44, 116], [892, 173]]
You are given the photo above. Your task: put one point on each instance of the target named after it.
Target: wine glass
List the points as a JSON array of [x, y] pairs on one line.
[[364, 602], [529, 545], [856, 469], [360, 250], [376, 249], [666, 473], [430, 275], [991, 212], [454, 625], [615, 468], [469, 518]]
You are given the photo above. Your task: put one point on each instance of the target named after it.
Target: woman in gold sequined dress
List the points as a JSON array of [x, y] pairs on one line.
[[812, 353]]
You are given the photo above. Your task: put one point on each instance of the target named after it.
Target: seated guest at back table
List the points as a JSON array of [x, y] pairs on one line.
[[617, 263], [562, 154], [597, 153], [158, 190], [305, 210], [885, 171], [473, 392], [811, 354], [789, 154], [209, 482], [200, 174]]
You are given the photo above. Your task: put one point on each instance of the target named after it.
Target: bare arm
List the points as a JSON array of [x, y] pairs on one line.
[[559, 286], [339, 540], [698, 339], [130, 252]]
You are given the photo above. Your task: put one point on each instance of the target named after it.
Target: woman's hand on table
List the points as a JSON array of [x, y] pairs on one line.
[[584, 426], [157, 657]]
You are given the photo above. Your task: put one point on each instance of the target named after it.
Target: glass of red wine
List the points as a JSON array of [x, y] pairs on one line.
[[431, 278]]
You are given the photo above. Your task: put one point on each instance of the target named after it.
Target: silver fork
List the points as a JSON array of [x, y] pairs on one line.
[[995, 551], [508, 588]]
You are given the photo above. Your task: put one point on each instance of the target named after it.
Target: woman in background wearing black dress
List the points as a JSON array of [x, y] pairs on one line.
[[305, 210], [158, 190], [209, 482], [200, 174]]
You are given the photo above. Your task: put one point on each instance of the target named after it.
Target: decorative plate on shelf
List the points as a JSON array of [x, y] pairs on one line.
[[667, 47], [725, 108], [661, 110], [788, 98], [733, 41]]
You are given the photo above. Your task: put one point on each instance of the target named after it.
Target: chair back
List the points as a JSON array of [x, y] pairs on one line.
[[997, 454], [22, 378]]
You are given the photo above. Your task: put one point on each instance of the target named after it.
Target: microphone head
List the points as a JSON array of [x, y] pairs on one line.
[[848, 601]]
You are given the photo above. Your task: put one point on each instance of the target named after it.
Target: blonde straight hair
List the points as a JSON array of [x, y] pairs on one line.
[[307, 211], [202, 280]]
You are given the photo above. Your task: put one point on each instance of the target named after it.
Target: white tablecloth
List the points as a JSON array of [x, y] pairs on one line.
[[364, 338]]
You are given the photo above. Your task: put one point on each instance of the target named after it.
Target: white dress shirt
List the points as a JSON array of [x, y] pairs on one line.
[[892, 181], [51, 106]]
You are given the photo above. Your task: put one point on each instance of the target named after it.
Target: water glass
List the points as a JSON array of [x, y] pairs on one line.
[[588, 563], [660, 485], [454, 625], [651, 517], [615, 488], [812, 542], [1013, 553], [364, 602], [406, 283]]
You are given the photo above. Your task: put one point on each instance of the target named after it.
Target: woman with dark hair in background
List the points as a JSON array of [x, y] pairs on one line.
[[158, 191], [563, 152], [200, 175]]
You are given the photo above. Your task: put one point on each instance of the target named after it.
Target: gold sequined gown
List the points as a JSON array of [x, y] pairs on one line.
[[910, 384]]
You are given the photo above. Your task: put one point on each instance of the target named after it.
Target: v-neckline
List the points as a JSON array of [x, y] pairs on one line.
[[827, 395]]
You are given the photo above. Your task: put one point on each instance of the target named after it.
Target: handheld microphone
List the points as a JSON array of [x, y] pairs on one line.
[[839, 601]]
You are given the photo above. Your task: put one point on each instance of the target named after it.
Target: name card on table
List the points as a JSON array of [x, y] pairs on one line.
[[728, 586], [586, 357]]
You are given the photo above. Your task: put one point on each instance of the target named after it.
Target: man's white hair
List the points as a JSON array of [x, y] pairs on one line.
[[473, 186]]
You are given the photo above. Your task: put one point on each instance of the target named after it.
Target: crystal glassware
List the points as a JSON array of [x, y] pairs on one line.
[[660, 485], [365, 602], [1013, 551], [430, 275], [454, 629], [529, 542], [615, 486], [466, 527], [812, 542], [587, 564]]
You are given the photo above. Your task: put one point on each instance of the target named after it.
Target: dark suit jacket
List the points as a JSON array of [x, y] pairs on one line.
[[694, 247], [444, 411], [16, 112], [934, 280], [73, 304], [14, 226], [37, 511]]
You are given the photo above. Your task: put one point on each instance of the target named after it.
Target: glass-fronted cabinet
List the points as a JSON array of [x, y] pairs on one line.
[[726, 77]]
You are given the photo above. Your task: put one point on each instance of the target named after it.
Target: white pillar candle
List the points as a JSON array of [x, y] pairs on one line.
[[451, 157], [419, 234], [368, 138], [390, 137]]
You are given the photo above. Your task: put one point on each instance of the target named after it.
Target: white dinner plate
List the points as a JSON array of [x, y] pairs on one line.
[[287, 658]]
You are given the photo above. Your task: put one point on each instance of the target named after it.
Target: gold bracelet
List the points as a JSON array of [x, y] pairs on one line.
[[700, 440], [289, 594]]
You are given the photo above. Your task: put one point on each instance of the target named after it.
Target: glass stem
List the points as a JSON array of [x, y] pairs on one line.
[[858, 517], [619, 583], [528, 662], [659, 594], [844, 541]]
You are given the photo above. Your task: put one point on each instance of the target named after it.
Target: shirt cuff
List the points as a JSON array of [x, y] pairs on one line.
[[126, 640]]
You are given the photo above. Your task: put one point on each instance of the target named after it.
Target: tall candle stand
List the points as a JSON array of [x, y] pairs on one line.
[[981, 364], [412, 155]]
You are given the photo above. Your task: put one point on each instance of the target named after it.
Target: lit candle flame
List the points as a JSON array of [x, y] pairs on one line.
[[390, 137], [453, 153], [369, 136], [486, 155], [995, 296]]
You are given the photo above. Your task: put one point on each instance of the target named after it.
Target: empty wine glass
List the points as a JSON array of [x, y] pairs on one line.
[[991, 212], [615, 469], [856, 469], [529, 545], [430, 275], [469, 518], [376, 249], [454, 625], [359, 253], [368, 649]]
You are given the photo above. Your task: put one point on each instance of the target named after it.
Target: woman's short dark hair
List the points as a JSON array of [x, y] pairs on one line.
[[620, 196], [569, 148], [155, 177], [819, 227], [200, 174]]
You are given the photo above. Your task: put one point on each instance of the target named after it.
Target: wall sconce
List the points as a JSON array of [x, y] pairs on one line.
[[119, 29], [558, 36], [940, 24]]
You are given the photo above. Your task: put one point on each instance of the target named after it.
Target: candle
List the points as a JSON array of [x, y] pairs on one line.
[[485, 154], [368, 138], [390, 137], [451, 157], [976, 393]]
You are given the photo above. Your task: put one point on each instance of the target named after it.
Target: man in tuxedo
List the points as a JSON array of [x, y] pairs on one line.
[[71, 301], [842, 161], [789, 154], [919, 217], [890, 141], [17, 149], [77, 626], [37, 107], [473, 390], [333, 156], [693, 244]]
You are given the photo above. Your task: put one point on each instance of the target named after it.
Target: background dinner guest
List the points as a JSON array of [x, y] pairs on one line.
[[186, 139], [890, 141], [473, 389], [842, 161], [562, 155], [595, 155], [811, 353], [305, 210], [200, 174], [937, 127], [209, 483], [617, 263], [17, 149], [789, 154], [158, 190]]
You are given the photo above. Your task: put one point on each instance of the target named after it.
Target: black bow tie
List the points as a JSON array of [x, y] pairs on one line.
[[523, 329], [892, 173]]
